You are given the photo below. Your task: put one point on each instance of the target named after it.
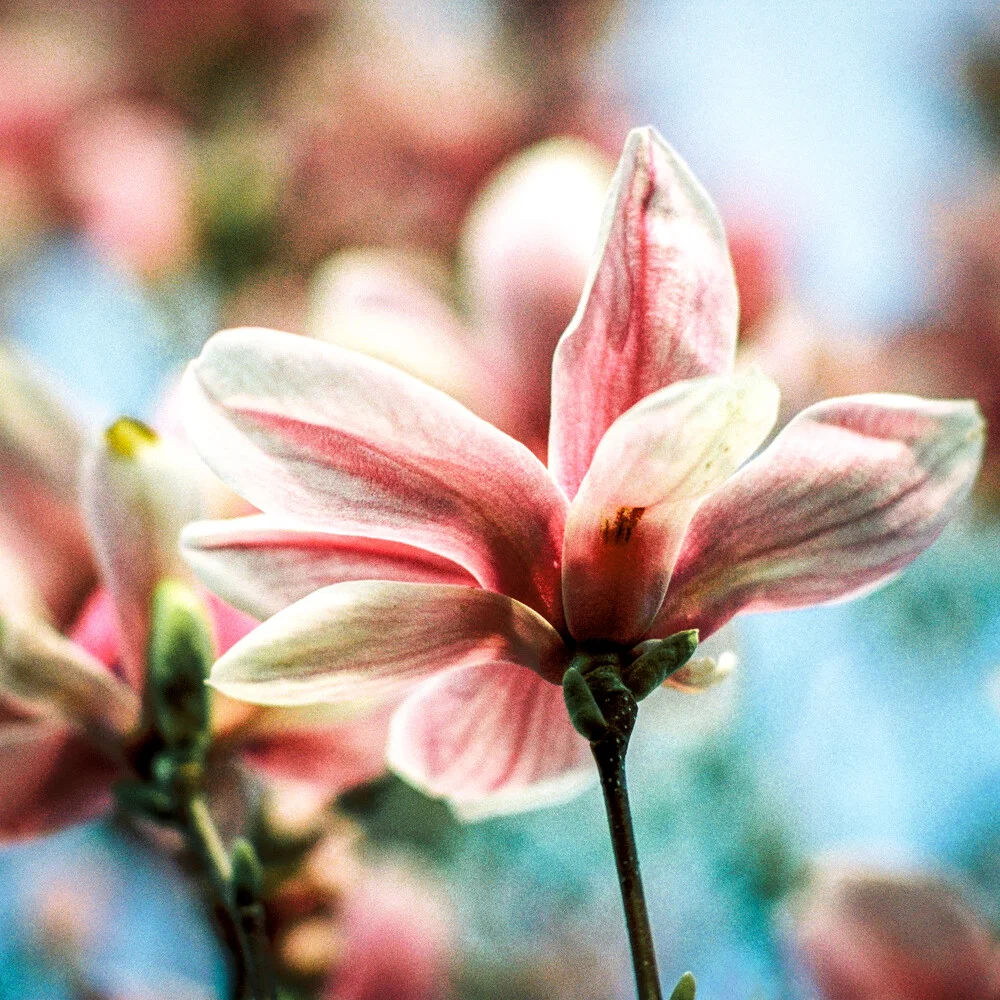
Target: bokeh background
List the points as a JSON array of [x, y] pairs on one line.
[[169, 167]]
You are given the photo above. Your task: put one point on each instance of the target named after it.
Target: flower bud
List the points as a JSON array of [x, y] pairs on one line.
[[657, 661], [248, 876], [685, 989], [138, 492], [180, 656]]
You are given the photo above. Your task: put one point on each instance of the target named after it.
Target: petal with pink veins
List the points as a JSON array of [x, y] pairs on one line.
[[354, 446], [263, 564], [490, 739], [352, 642], [851, 491], [650, 471], [659, 306]]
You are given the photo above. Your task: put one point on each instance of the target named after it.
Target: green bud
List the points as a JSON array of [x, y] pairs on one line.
[[180, 656], [658, 661], [248, 877], [145, 800], [584, 712], [685, 989]]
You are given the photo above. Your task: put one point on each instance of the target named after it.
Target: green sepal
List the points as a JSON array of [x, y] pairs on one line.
[[685, 989], [658, 661], [248, 876], [584, 712], [180, 656], [144, 800]]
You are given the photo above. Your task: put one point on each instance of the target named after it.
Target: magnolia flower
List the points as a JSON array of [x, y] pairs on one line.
[[409, 550], [71, 693]]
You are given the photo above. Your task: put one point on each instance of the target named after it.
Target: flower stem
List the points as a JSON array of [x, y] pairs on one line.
[[203, 839], [620, 711]]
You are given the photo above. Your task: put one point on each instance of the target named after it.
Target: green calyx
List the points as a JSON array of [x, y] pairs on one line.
[[685, 989], [584, 712], [657, 660], [180, 655]]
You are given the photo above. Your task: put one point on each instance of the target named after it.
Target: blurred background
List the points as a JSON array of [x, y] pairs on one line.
[[824, 825]]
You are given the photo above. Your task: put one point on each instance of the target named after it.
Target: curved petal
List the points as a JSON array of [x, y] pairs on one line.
[[850, 492], [649, 473], [51, 776], [45, 669], [490, 739], [660, 304], [356, 641], [262, 564], [355, 446], [40, 448]]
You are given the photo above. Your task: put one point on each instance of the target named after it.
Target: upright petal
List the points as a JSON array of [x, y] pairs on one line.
[[262, 564], [659, 306], [374, 302], [649, 473], [490, 739], [139, 490], [525, 252], [40, 447], [355, 446], [358, 641], [850, 492]]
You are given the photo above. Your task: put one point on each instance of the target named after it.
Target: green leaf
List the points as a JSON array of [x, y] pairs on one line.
[[658, 661], [685, 989], [584, 712], [180, 655]]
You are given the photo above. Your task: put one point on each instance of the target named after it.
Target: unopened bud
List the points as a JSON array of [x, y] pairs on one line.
[[685, 989], [658, 660], [180, 656], [247, 877], [139, 490]]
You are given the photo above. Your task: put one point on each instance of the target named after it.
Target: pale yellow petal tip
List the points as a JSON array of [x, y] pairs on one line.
[[126, 437]]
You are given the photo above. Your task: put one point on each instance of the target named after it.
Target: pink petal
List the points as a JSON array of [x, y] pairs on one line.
[[356, 447], [491, 739], [357, 641], [850, 492], [262, 564], [333, 756], [40, 448], [648, 475], [51, 776], [660, 304]]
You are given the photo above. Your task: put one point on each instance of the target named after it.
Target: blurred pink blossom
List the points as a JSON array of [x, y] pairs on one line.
[[400, 940], [126, 175], [70, 707], [460, 573], [869, 933]]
